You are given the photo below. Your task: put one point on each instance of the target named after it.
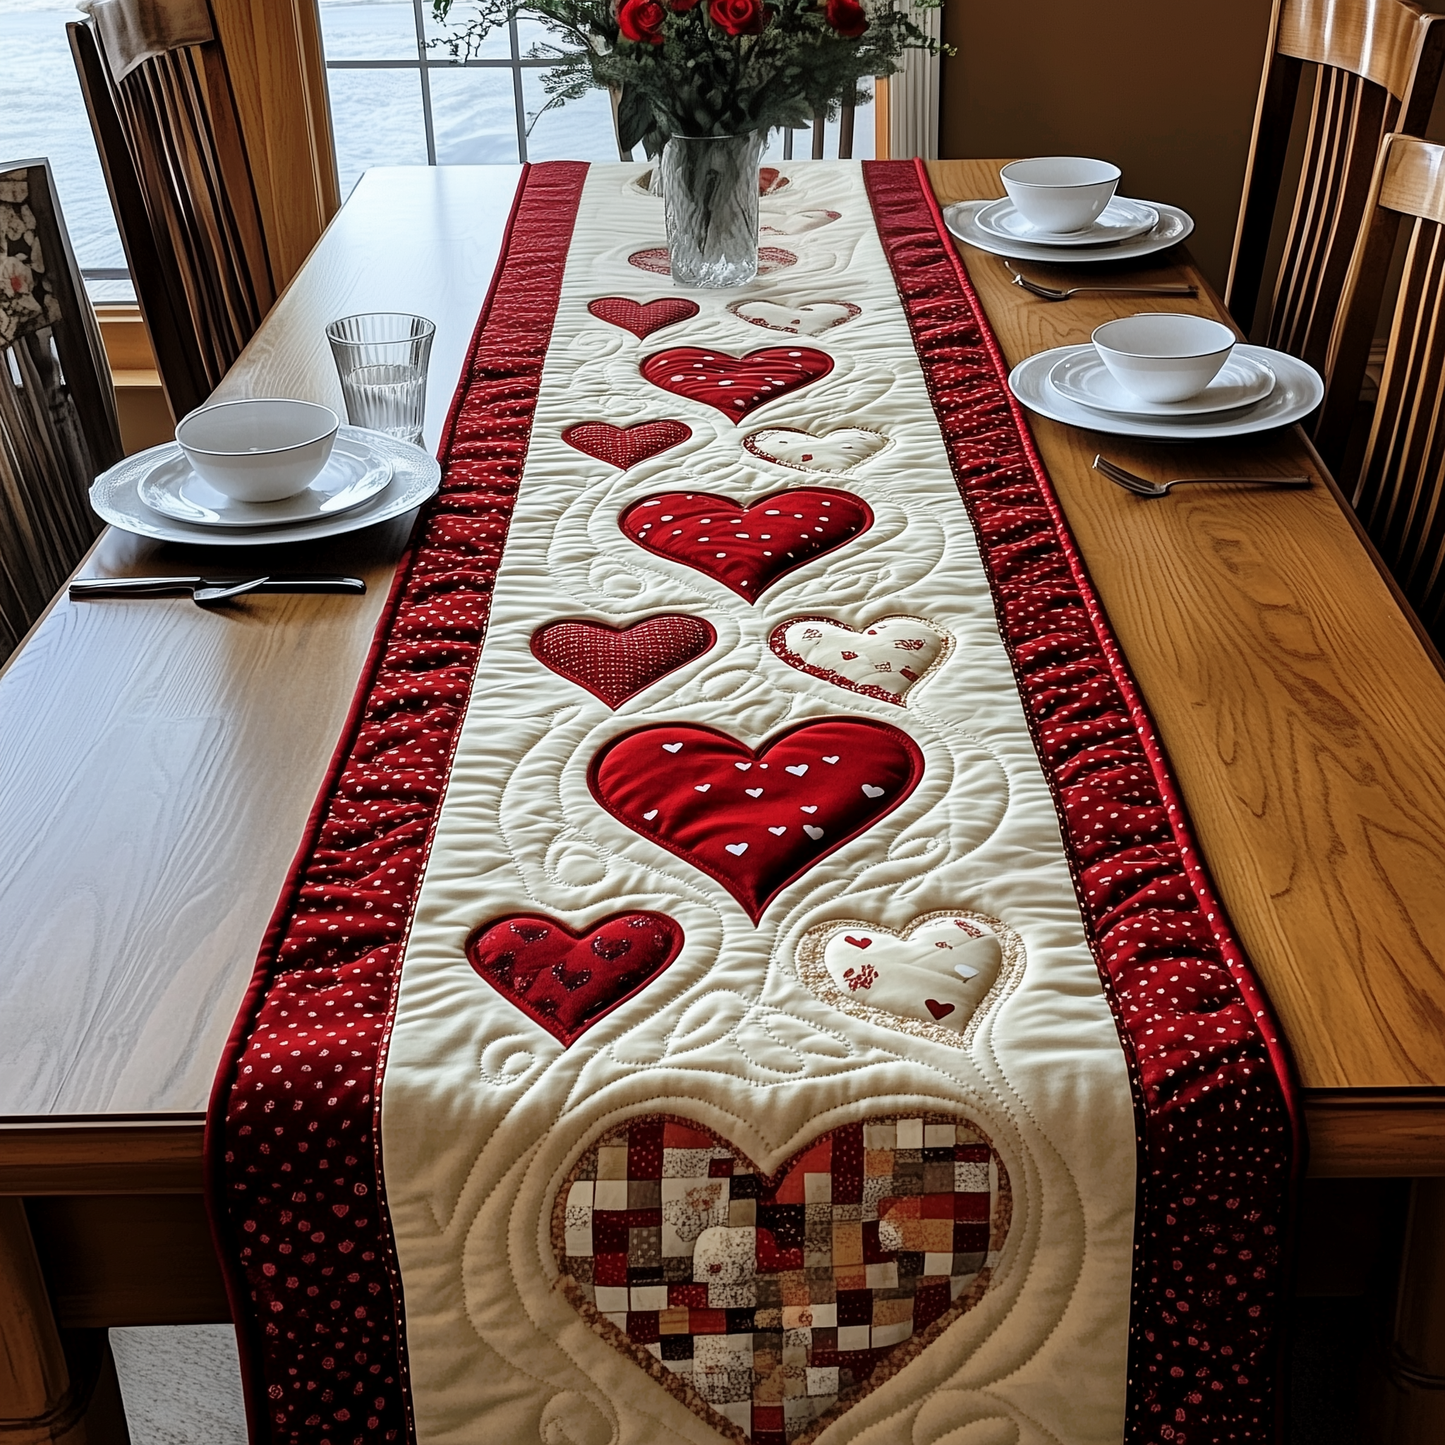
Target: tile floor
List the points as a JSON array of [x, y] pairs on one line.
[[182, 1384]]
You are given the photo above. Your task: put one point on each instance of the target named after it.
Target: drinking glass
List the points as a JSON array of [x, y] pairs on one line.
[[382, 359]]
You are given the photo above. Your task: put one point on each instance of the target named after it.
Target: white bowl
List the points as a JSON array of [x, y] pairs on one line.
[[1059, 195], [1162, 355], [259, 451]]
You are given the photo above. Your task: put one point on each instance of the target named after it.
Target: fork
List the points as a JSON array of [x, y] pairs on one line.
[[1143, 487], [1052, 293]]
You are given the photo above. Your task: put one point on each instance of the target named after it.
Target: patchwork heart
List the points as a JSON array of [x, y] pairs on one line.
[[770, 1305], [656, 260], [929, 980], [796, 223], [643, 318], [884, 659], [650, 780], [736, 385], [566, 981], [807, 318], [838, 451], [746, 548], [616, 663], [625, 446]]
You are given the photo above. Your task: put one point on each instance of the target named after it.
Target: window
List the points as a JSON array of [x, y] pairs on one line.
[[43, 116], [395, 100]]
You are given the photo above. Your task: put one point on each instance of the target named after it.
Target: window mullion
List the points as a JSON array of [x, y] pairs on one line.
[[425, 72], [517, 100]]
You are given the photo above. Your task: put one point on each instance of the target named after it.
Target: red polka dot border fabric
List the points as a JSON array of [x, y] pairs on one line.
[[683, 1219], [1218, 1126], [293, 1150]]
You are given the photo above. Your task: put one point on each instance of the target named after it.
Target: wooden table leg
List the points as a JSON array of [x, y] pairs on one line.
[[47, 1398], [1414, 1412]]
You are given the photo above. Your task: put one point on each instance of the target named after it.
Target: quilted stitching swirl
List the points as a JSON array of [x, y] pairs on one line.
[[1213, 1099], [292, 1144]]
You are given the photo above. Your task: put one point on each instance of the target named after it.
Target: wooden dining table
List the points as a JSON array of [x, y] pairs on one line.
[[158, 761]]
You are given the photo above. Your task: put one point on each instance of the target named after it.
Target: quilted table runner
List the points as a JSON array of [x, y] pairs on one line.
[[748, 975]]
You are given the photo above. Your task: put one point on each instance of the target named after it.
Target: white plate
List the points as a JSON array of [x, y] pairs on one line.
[[114, 495], [1082, 377], [1174, 225], [1297, 392], [1118, 221], [354, 473]]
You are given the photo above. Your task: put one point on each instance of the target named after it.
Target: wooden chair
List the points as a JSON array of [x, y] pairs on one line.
[[171, 148], [1399, 494], [58, 425], [1377, 65], [818, 136]]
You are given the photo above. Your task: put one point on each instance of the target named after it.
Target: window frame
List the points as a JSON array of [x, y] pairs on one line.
[[425, 63]]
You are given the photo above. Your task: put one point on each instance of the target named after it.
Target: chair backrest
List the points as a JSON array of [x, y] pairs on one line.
[[1377, 66], [58, 426], [170, 143], [819, 136], [1399, 494]]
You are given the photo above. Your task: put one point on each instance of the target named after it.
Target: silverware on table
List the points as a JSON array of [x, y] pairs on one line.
[[1052, 293], [1143, 487], [207, 591]]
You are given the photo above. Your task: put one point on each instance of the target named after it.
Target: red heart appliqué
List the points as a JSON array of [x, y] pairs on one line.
[[939, 1010], [625, 446], [774, 1304], [746, 548], [736, 385], [717, 803], [656, 260], [566, 981], [642, 318], [616, 663]]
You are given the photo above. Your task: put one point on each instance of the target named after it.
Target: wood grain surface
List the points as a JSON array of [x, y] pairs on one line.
[[158, 761], [1304, 719], [1379, 39]]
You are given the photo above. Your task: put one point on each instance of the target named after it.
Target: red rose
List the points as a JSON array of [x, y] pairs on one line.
[[641, 20], [738, 17], [846, 17]]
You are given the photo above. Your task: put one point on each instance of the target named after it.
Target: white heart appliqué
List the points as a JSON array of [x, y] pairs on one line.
[[812, 832], [838, 451], [869, 791], [809, 318], [930, 979], [885, 659], [736, 849]]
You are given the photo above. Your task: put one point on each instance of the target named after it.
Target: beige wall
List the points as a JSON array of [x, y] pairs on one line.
[[1164, 89]]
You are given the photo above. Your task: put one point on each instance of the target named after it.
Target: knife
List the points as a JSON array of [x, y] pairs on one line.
[[87, 587]]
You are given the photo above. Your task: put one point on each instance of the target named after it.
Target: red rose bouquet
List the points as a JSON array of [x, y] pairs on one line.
[[709, 67]]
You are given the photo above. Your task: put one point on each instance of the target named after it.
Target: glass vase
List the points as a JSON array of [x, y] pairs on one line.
[[710, 194]]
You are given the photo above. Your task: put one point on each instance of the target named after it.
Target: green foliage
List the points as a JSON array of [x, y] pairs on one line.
[[700, 80]]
